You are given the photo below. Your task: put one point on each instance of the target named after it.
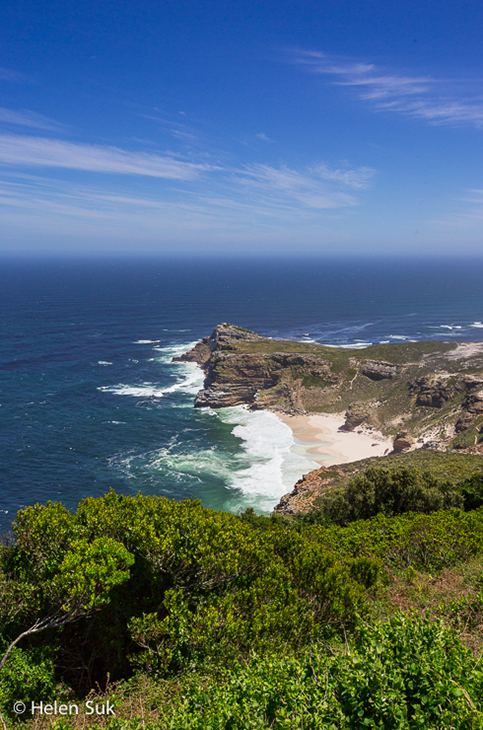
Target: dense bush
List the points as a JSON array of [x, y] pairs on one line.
[[390, 492], [404, 674], [169, 589], [27, 676], [426, 542], [471, 490], [167, 585]]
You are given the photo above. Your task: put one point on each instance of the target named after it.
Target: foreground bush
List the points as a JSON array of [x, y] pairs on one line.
[[405, 674], [165, 586]]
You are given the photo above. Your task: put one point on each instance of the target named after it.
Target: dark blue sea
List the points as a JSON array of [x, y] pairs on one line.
[[91, 400]]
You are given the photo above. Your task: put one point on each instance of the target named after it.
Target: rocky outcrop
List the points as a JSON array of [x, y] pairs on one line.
[[235, 379], [473, 402], [227, 336], [200, 354], [378, 369], [402, 442], [355, 416], [464, 422], [434, 445], [311, 488], [432, 390], [224, 337]]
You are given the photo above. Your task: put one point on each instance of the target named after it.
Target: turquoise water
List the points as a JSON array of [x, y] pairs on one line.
[[90, 398]]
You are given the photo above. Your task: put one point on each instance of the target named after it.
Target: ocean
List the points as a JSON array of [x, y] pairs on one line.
[[89, 397]]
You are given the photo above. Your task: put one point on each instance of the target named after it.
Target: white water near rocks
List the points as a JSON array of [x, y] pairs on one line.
[[267, 464]]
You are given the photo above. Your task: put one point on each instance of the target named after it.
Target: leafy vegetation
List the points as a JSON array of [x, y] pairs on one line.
[[389, 492], [191, 618], [392, 492]]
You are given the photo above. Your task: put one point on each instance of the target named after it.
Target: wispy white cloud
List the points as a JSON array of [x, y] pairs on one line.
[[38, 205], [6, 74], [263, 137], [39, 151], [27, 118], [175, 199], [438, 101], [254, 199], [316, 187], [179, 130], [473, 205], [359, 178]]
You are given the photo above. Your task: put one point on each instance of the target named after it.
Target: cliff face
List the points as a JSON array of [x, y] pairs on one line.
[[414, 392]]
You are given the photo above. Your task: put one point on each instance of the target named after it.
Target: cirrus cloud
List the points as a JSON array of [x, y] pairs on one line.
[[43, 152], [438, 101]]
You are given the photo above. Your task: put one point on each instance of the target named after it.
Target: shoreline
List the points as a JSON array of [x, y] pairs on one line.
[[325, 444]]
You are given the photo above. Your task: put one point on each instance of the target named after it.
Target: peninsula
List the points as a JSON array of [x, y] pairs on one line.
[[420, 395]]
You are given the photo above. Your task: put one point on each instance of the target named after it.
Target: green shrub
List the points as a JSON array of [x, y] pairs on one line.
[[173, 585], [390, 492], [405, 674], [426, 542], [471, 490], [28, 675]]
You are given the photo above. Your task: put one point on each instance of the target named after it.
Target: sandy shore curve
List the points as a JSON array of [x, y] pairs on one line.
[[325, 444]]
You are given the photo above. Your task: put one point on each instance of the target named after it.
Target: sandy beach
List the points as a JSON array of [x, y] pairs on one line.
[[326, 445]]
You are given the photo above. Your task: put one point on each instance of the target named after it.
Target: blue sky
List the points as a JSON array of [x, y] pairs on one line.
[[336, 126]]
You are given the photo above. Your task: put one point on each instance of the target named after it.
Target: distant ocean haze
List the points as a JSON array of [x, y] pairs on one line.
[[91, 400]]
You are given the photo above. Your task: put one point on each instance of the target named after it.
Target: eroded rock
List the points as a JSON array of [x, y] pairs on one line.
[[402, 442], [378, 369], [355, 415], [432, 390]]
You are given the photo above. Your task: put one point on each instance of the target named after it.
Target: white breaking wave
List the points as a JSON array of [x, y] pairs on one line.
[[188, 377], [104, 362], [200, 463], [170, 351], [146, 390], [146, 342], [269, 463], [266, 466], [476, 324], [191, 381]]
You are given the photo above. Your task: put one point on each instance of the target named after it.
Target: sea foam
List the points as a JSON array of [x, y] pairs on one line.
[[269, 465], [188, 377]]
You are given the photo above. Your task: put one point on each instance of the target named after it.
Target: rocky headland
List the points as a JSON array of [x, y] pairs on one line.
[[424, 395]]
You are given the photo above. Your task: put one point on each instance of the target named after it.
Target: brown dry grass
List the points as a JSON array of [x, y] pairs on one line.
[[455, 596]]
